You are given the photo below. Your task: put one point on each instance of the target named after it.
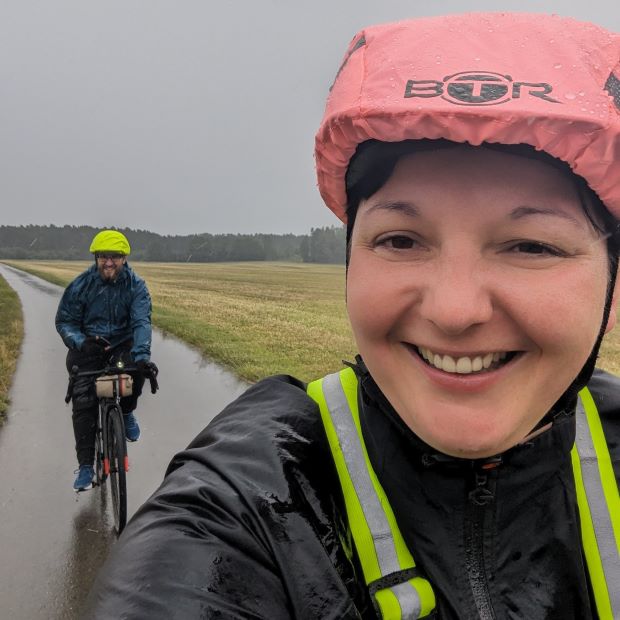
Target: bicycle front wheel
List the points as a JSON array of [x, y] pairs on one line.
[[118, 464], [100, 473]]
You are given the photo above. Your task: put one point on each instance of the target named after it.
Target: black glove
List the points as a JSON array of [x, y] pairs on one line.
[[147, 368], [150, 370], [94, 345]]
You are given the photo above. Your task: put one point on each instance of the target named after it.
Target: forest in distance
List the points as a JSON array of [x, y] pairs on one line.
[[50, 242]]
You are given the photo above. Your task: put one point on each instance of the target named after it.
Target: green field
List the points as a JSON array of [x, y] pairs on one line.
[[11, 332], [254, 318]]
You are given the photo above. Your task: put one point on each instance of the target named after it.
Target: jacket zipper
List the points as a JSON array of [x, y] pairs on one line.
[[481, 496], [109, 304]]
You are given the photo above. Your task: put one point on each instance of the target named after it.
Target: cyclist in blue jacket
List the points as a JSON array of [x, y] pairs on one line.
[[104, 313]]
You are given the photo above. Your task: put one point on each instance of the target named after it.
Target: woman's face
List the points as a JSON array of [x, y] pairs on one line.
[[476, 290]]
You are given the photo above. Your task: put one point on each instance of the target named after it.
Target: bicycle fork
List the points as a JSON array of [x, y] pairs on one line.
[[106, 442]]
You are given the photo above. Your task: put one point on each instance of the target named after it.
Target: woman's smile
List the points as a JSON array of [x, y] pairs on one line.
[[464, 364]]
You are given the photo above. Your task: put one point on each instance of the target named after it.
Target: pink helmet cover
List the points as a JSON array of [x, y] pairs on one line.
[[508, 78]]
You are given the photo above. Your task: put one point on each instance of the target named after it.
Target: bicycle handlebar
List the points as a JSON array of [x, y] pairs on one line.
[[108, 370]]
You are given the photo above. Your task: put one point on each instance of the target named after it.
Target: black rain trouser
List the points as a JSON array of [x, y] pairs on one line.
[[85, 404]]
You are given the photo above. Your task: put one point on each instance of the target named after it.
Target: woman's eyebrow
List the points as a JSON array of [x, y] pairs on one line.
[[406, 208], [525, 211]]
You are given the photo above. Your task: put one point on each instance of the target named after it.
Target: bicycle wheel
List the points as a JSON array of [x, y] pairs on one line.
[[100, 473], [118, 464]]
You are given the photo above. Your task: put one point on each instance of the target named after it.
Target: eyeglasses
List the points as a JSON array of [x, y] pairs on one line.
[[113, 257]]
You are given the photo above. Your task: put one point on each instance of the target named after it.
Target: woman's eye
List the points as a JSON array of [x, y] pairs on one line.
[[397, 242], [536, 248]]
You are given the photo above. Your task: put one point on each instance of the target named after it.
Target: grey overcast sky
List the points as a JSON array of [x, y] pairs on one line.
[[183, 116]]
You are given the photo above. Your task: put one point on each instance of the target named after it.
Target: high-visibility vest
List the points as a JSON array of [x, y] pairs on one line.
[[397, 589]]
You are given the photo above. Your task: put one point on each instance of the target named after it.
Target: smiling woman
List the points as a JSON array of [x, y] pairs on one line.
[[466, 464]]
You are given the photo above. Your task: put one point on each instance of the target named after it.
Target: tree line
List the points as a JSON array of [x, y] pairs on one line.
[[322, 245]]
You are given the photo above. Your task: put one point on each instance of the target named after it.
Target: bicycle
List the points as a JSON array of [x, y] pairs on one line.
[[111, 460]]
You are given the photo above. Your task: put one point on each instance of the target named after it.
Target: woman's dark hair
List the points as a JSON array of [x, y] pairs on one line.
[[373, 163]]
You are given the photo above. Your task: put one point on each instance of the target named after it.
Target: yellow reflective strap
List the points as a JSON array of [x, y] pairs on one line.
[[426, 594], [388, 599], [423, 587], [588, 540], [606, 469], [388, 604], [594, 447], [349, 385], [362, 535]]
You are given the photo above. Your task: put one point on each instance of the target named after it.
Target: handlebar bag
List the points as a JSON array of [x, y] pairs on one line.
[[110, 386]]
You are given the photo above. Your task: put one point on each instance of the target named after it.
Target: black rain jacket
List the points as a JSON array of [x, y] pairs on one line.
[[249, 521]]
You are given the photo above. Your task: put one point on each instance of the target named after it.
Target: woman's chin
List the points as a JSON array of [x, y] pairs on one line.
[[472, 445]]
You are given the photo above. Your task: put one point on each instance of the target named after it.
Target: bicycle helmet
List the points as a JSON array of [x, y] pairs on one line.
[[510, 78], [110, 241]]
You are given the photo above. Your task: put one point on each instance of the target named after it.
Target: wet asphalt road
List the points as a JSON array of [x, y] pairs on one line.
[[53, 540]]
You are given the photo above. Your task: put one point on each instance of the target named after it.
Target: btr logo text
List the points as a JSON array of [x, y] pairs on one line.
[[478, 88]]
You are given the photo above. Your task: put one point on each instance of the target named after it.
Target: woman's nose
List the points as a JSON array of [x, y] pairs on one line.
[[457, 297]]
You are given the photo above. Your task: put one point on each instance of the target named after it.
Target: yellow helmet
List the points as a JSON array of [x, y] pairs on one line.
[[110, 241]]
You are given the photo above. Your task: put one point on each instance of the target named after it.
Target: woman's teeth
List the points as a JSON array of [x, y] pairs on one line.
[[462, 365]]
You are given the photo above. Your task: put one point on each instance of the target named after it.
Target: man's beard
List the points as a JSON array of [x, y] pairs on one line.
[[111, 274]]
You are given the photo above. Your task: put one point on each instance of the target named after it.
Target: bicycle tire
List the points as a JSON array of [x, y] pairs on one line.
[[100, 472], [117, 459], [100, 476]]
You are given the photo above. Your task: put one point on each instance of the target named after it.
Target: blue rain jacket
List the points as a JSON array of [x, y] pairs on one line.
[[118, 311]]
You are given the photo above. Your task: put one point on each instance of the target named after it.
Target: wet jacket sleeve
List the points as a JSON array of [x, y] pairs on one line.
[[140, 321], [69, 317], [237, 529]]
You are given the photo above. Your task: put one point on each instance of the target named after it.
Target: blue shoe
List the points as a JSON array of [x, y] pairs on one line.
[[132, 430], [84, 480]]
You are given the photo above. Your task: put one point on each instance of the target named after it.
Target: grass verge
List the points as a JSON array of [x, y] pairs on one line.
[[256, 319], [11, 334]]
